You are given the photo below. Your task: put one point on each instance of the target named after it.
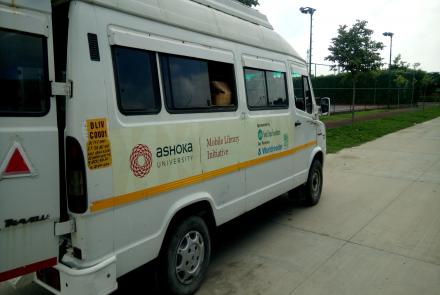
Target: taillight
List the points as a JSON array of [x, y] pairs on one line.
[[75, 177]]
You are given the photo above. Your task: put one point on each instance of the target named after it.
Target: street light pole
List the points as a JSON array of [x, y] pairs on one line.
[[309, 10], [389, 34]]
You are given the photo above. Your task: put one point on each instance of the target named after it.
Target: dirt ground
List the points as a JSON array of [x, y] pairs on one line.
[[373, 116]]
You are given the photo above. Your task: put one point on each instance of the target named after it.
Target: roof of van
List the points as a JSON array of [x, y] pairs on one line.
[[226, 19]]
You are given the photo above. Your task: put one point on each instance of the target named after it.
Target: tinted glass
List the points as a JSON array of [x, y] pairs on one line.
[[136, 80], [298, 89], [23, 74], [308, 95], [222, 83], [276, 88], [187, 81], [255, 88]]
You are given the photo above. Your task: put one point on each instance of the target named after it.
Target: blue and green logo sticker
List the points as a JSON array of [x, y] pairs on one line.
[[260, 134], [286, 140]]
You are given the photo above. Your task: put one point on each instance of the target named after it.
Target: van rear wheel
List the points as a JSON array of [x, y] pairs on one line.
[[313, 186], [186, 257]]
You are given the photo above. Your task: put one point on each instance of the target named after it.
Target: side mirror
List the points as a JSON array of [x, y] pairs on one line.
[[325, 106]]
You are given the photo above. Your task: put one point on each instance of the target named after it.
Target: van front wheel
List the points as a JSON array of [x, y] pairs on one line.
[[187, 256], [313, 186]]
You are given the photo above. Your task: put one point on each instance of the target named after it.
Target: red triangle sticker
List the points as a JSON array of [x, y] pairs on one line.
[[17, 164]]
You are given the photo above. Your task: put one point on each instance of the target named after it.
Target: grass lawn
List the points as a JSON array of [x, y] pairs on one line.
[[348, 136]]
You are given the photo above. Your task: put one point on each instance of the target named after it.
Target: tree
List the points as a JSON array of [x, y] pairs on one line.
[[427, 80], [399, 64], [355, 52], [400, 82], [249, 2]]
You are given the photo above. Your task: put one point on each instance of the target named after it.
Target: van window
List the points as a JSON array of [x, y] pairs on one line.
[[196, 85], [303, 98], [256, 91], [136, 80], [23, 74], [276, 88], [308, 95], [265, 89]]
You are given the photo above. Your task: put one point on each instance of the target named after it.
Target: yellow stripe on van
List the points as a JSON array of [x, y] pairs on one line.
[[139, 195]]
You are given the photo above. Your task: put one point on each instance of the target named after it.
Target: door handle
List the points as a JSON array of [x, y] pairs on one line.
[[297, 123]]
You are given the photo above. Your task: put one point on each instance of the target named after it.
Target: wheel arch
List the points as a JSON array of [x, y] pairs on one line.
[[317, 153], [200, 206]]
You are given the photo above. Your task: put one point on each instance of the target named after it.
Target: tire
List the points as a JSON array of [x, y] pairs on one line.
[[186, 256], [313, 186]]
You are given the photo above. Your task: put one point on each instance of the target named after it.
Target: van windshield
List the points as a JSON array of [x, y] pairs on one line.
[[23, 74]]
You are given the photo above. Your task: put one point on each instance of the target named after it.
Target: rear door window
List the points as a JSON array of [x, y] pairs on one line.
[[24, 79]]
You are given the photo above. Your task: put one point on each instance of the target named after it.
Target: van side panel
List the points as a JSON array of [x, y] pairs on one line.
[[161, 162]]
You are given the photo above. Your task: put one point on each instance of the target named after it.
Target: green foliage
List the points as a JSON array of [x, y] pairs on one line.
[[249, 2], [400, 81], [361, 132], [399, 64], [426, 80], [354, 50]]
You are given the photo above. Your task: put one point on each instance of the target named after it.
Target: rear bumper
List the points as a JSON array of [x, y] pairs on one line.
[[97, 279]]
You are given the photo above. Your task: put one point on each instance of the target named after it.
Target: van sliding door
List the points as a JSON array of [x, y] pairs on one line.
[[29, 183]]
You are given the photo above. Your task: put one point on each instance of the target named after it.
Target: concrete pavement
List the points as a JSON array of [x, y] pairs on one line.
[[375, 231]]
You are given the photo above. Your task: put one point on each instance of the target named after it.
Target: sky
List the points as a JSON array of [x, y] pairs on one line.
[[415, 24]]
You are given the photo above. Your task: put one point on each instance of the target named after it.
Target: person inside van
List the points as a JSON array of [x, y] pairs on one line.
[[221, 94]]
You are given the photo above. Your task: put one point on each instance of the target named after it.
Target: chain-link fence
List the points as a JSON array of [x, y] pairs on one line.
[[367, 98], [397, 88], [373, 98]]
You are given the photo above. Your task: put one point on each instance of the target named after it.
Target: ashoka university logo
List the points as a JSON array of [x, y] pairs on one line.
[[141, 160]]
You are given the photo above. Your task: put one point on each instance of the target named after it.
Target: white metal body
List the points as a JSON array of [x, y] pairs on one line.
[[127, 218]]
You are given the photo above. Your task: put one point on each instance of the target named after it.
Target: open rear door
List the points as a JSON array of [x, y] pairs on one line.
[[29, 164]]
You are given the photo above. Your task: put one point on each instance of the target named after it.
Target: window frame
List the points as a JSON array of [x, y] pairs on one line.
[[268, 106], [166, 84], [156, 82], [47, 93], [301, 81], [306, 80]]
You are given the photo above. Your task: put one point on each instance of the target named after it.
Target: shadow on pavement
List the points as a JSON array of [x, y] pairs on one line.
[[224, 239]]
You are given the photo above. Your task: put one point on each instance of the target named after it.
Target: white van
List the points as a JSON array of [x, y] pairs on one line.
[[129, 129]]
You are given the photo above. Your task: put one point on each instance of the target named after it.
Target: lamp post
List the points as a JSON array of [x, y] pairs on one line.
[[415, 65], [389, 34], [309, 10]]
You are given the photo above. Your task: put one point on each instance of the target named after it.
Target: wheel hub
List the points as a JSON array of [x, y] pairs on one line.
[[189, 257], [316, 182]]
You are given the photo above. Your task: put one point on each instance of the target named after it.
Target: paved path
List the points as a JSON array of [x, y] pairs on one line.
[[375, 231]]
